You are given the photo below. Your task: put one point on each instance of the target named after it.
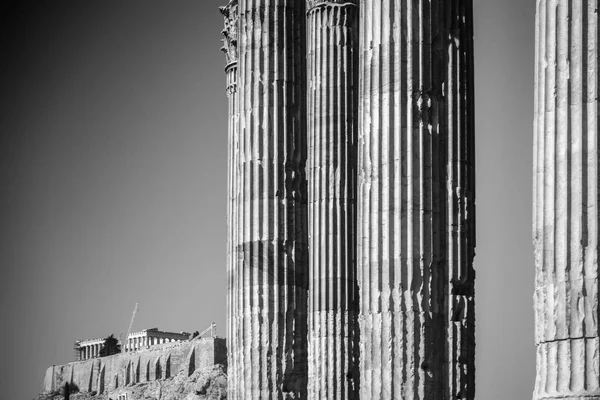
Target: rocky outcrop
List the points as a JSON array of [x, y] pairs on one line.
[[204, 384], [566, 200], [108, 375]]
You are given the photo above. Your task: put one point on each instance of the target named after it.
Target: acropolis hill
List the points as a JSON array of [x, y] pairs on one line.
[[194, 368]]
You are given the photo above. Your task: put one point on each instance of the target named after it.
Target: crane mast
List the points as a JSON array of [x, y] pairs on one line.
[[124, 342]]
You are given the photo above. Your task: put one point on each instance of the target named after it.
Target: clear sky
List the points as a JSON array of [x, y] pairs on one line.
[[113, 174]]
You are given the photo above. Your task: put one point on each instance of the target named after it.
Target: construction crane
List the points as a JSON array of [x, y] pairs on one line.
[[212, 328], [124, 343]]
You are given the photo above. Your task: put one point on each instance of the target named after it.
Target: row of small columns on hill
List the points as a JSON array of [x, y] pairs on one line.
[[90, 351], [134, 344]]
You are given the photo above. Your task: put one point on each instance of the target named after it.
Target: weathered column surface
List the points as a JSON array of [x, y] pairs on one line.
[[332, 60], [230, 43], [565, 200], [416, 219], [268, 227]]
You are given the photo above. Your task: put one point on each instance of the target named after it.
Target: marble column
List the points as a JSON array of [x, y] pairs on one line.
[[230, 42], [416, 219], [332, 92], [268, 280], [566, 200]]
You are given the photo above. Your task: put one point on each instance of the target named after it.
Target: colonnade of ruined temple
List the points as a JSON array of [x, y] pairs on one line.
[[94, 348], [89, 349], [150, 337], [351, 199], [102, 347]]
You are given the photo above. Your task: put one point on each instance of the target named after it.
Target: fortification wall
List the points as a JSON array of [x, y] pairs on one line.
[[106, 374]]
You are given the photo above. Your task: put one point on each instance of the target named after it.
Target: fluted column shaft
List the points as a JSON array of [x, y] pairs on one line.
[[332, 62], [269, 278], [565, 200], [233, 331], [416, 226]]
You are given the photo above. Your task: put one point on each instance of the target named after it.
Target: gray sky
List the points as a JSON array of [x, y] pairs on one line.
[[113, 175]]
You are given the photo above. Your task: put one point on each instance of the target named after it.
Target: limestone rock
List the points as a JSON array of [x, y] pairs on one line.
[[204, 384]]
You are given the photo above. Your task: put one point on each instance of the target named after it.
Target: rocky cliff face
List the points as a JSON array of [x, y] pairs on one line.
[[204, 384]]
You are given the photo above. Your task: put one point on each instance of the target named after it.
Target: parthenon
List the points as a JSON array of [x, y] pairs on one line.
[[150, 337], [351, 187], [103, 347]]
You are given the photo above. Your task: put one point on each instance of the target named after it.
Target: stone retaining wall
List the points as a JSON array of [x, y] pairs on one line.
[[107, 374]]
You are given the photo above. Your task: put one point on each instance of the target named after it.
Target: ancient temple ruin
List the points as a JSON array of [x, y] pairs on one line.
[[565, 200], [416, 214], [267, 232], [332, 131], [151, 337], [351, 220], [351, 208], [93, 348]]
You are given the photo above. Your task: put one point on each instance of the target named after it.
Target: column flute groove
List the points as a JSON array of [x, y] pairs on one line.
[[230, 44], [565, 200], [268, 211], [416, 199], [332, 92]]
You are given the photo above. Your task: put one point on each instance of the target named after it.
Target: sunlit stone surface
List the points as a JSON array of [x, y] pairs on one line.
[[268, 232], [332, 92], [416, 217], [565, 200]]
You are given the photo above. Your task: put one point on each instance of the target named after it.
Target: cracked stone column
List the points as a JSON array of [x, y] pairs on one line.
[[268, 281], [332, 60], [565, 200], [416, 200]]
